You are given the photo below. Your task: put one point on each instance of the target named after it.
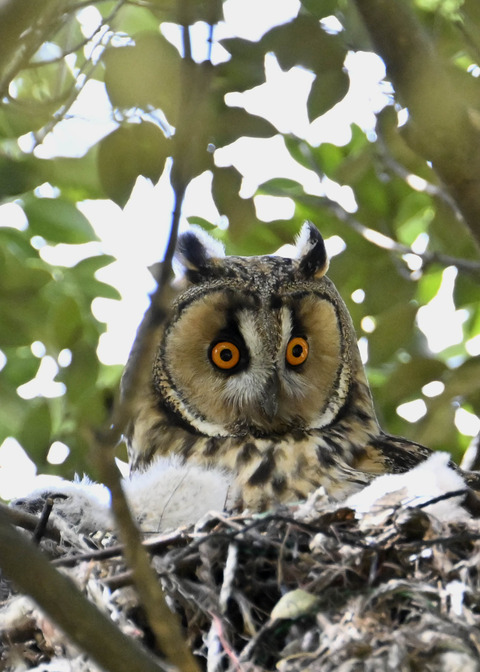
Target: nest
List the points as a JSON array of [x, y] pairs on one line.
[[306, 587]]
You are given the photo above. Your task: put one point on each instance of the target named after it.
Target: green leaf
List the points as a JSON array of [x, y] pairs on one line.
[[466, 291], [327, 90], [200, 221], [57, 220], [82, 278], [413, 217], [21, 366], [65, 320], [281, 186], [328, 158], [464, 380], [77, 178], [144, 75], [87, 267], [130, 151], [448, 234], [320, 8], [397, 289], [245, 69], [12, 409], [16, 176], [428, 285], [407, 379], [81, 375], [19, 119], [392, 137], [234, 122], [43, 86], [394, 330], [35, 433], [16, 243], [22, 278], [437, 429], [300, 150], [21, 327], [134, 19], [240, 211], [303, 42]]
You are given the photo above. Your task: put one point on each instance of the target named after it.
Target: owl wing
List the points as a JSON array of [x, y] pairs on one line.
[[394, 454]]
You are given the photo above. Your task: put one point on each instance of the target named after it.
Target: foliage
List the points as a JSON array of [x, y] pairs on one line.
[[170, 114]]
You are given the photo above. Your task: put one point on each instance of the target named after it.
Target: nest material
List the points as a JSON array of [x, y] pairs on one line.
[[302, 588]]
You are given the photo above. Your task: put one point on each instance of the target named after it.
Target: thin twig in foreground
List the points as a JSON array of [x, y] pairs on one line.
[[162, 621]]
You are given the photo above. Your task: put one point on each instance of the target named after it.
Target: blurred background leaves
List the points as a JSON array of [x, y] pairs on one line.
[[167, 107]]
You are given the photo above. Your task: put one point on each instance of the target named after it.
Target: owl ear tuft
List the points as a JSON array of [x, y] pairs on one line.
[[197, 251], [311, 252]]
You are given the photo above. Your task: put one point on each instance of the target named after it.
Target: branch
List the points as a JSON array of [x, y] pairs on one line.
[[62, 601], [188, 141], [164, 624], [98, 38], [24, 26], [441, 126], [468, 267]]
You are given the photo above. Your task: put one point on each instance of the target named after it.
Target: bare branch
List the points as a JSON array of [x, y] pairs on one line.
[[99, 30], [467, 266], [162, 621]]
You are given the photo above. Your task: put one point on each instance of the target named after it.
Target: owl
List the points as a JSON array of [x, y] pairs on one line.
[[257, 372]]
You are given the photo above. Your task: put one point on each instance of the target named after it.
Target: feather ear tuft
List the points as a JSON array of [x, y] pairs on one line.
[[311, 252], [197, 252]]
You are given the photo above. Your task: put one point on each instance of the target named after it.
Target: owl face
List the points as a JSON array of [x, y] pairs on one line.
[[255, 345]]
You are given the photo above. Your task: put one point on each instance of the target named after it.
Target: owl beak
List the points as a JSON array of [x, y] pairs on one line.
[[269, 401]]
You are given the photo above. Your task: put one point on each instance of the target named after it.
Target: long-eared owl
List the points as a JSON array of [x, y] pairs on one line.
[[257, 371]]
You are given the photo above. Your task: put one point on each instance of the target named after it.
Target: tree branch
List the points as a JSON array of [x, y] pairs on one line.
[[468, 267], [62, 601], [163, 622], [24, 26], [441, 126]]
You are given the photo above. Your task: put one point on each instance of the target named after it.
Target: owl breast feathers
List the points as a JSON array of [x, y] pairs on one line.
[[257, 371]]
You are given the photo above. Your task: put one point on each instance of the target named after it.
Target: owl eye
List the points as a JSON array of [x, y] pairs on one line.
[[297, 351], [225, 355]]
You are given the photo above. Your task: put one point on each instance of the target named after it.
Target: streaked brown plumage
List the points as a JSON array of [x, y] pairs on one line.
[[295, 411]]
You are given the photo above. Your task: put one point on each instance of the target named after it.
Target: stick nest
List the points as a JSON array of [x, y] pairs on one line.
[[305, 587]]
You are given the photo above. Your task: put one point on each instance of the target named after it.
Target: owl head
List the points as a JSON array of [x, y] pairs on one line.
[[255, 345]]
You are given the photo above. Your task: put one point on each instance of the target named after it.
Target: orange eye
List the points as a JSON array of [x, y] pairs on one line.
[[225, 355], [297, 351]]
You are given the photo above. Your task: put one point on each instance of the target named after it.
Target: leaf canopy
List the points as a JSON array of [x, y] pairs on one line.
[[169, 111]]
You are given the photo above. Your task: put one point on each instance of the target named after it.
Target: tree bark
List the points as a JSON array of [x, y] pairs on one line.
[[443, 127]]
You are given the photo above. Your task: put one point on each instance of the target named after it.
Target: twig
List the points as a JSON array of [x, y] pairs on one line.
[[467, 266], [441, 498], [87, 627], [398, 169], [224, 642], [28, 521], [153, 546], [79, 45], [39, 531], [163, 622], [85, 72]]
